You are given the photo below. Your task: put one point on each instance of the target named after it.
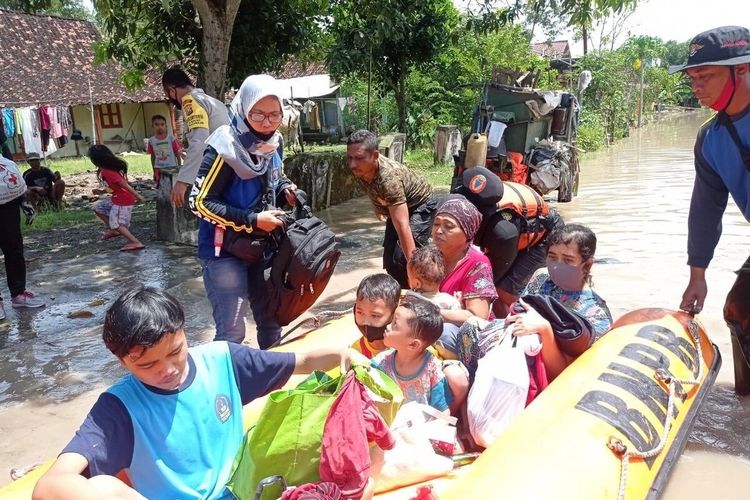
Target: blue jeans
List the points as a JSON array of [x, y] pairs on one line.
[[233, 286]]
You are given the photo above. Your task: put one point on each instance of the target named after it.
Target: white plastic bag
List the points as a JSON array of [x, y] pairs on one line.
[[499, 392], [417, 428]]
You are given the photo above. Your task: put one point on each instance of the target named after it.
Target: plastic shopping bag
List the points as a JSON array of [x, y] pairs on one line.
[[499, 392], [420, 431]]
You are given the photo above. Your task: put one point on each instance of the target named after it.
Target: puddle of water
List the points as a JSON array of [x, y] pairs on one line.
[[46, 355]]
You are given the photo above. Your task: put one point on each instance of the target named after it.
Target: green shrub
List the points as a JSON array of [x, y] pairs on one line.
[[591, 134]]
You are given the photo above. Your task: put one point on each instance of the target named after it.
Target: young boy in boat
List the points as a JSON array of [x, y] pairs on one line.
[[376, 301], [426, 270], [174, 422], [416, 325]]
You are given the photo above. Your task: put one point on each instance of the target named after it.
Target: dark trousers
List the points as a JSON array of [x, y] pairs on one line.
[[737, 316], [420, 222], [11, 244]]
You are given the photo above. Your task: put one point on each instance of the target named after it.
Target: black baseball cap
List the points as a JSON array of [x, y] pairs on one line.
[[481, 187], [724, 46]]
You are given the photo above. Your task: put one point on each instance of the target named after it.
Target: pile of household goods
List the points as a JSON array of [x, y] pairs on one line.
[[524, 136], [318, 436]]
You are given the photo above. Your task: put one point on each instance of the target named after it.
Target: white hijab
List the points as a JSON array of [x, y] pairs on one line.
[[236, 142]]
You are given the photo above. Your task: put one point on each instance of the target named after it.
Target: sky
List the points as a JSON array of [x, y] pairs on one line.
[[681, 19]]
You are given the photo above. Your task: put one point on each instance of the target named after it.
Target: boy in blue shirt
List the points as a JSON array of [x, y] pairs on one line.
[[174, 423]]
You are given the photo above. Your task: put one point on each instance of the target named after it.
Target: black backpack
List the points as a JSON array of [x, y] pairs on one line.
[[303, 265]]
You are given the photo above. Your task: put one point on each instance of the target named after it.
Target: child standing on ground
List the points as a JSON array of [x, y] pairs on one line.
[[416, 325], [165, 150], [117, 210]]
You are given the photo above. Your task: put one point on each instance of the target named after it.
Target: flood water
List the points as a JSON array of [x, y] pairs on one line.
[[635, 196]]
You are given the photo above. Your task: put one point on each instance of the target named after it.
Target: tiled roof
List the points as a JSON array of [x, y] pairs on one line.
[[296, 69], [49, 60], [551, 50]]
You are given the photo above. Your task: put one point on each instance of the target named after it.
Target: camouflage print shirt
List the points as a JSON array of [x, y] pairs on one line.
[[395, 184]]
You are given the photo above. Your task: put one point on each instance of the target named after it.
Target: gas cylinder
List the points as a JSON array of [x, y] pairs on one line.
[[476, 151]]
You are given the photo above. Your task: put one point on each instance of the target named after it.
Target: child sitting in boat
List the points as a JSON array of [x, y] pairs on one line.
[[377, 299], [416, 325], [567, 278], [174, 422], [426, 270]]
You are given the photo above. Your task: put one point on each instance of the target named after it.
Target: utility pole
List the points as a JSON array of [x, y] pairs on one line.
[[640, 101], [369, 85]]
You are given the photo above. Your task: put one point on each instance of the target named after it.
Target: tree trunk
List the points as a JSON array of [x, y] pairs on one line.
[[217, 20], [400, 95], [585, 40]]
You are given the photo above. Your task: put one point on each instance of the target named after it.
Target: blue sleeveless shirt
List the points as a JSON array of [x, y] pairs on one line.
[[183, 442]]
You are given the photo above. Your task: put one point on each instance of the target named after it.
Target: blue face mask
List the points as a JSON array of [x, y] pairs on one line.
[[566, 276]]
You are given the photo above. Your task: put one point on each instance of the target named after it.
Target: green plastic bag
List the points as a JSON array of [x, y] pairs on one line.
[[287, 437]]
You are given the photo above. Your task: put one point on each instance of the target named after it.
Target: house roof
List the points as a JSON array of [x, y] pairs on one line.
[[551, 50], [49, 60], [298, 69]]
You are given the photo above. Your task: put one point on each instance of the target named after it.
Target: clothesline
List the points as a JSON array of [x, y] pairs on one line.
[[42, 129]]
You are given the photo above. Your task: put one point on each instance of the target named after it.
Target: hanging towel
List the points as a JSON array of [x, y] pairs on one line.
[[9, 121]]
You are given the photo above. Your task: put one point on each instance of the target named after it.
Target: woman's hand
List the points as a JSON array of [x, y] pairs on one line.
[[527, 323], [291, 198], [269, 220]]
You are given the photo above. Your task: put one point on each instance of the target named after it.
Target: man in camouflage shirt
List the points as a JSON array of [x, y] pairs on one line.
[[399, 195]]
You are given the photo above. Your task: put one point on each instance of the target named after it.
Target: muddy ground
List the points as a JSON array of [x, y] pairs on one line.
[[83, 238]]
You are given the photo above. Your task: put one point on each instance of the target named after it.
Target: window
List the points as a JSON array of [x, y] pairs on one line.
[[109, 116]]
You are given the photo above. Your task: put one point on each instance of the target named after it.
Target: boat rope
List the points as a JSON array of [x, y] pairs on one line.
[[314, 321], [675, 387]]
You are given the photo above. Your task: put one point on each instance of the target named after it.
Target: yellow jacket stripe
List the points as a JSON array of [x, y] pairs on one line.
[[203, 211]]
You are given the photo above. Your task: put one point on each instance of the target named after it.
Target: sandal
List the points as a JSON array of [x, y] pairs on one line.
[[130, 247]]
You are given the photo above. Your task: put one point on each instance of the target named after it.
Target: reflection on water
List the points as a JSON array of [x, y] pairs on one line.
[[636, 196], [45, 355]]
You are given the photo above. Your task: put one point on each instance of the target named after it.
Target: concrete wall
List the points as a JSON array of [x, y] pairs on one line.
[[136, 126]]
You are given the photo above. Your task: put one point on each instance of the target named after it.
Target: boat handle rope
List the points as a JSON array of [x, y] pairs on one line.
[[675, 390]]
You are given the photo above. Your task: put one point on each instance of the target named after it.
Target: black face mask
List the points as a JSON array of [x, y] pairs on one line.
[[372, 333], [177, 104]]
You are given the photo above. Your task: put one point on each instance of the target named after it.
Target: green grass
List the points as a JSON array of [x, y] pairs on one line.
[[421, 161], [49, 218], [56, 219], [137, 164]]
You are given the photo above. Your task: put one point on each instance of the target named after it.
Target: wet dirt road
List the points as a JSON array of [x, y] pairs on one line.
[[635, 196]]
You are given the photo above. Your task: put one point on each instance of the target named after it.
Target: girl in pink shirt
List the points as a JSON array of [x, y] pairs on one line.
[[117, 210]]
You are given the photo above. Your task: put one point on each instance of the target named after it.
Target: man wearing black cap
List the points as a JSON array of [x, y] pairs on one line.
[[718, 66]]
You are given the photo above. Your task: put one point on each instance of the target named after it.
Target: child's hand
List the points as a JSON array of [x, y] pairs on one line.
[[350, 357], [140, 197]]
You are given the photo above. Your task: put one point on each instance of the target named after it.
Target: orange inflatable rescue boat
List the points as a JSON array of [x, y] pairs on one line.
[[611, 426]]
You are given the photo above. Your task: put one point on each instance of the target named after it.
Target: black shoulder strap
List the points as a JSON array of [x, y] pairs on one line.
[[725, 120]]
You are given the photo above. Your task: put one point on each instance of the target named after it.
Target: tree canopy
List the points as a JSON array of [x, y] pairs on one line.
[[396, 35], [143, 34], [64, 8]]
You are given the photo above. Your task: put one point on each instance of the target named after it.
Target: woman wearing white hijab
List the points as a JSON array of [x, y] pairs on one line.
[[238, 186]]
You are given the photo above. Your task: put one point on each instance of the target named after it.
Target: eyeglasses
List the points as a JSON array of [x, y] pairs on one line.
[[259, 117]]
